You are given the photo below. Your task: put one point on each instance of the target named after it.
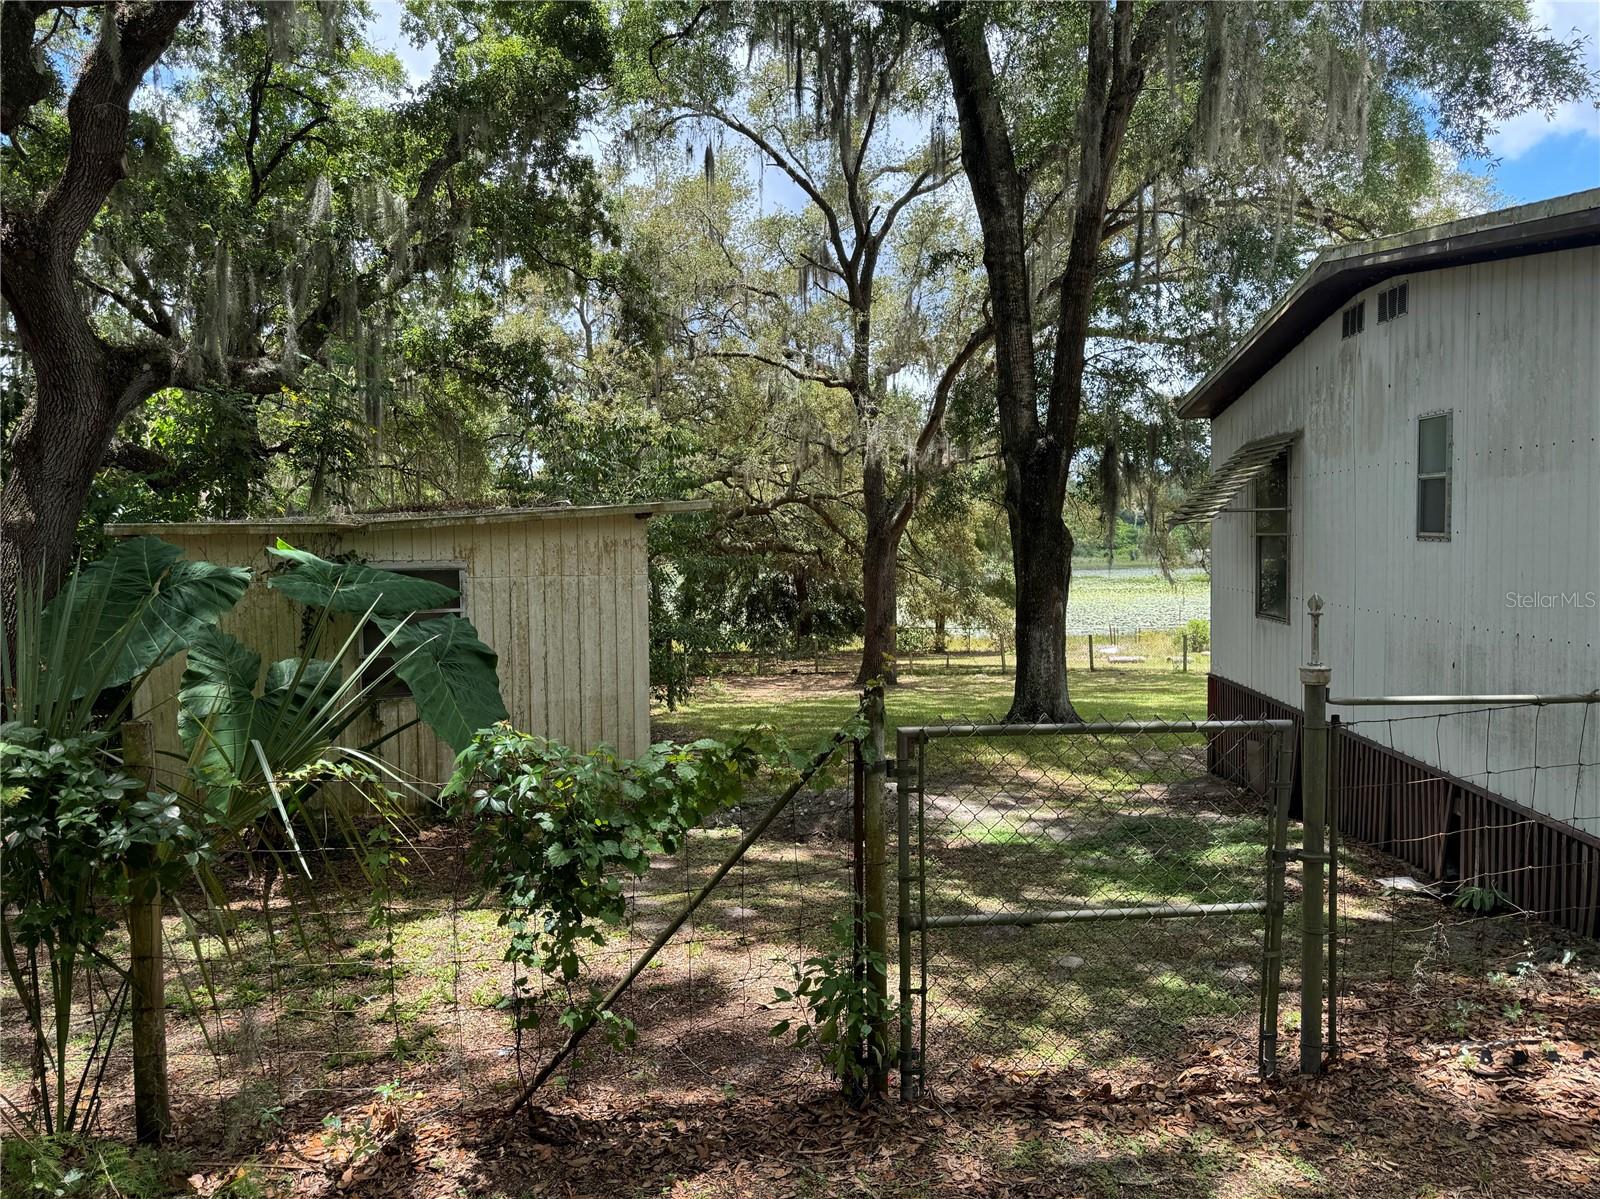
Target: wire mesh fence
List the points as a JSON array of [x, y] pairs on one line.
[[1088, 894], [295, 1000], [1110, 647], [1457, 893]]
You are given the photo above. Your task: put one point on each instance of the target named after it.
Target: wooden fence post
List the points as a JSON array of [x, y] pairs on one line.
[[1091, 651], [152, 1115]]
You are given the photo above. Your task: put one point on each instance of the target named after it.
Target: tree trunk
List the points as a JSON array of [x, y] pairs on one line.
[[83, 386], [1038, 454], [53, 457], [879, 583], [1041, 557]]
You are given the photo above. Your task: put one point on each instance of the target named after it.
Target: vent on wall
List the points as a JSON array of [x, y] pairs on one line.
[[1353, 319], [1392, 303]]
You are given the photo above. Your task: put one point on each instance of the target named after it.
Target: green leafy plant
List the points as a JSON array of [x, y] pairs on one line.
[[1472, 898], [844, 1015], [1460, 1017], [245, 726], [82, 836], [1198, 631], [71, 817], [73, 1166], [556, 833]]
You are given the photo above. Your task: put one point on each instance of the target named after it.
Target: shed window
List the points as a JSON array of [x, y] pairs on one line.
[[1353, 319], [1392, 303], [1271, 517], [1434, 445], [394, 687]]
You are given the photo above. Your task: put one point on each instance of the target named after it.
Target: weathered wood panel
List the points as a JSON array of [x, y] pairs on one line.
[[562, 601]]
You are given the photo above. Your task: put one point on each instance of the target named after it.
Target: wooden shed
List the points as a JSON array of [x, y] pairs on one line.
[[559, 593]]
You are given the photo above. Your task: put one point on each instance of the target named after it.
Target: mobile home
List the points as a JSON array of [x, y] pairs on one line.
[[1412, 433]]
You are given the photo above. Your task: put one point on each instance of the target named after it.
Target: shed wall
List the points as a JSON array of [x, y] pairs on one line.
[[563, 601], [1512, 348]]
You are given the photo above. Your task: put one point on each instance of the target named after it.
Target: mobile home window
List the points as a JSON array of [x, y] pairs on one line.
[[1271, 524], [394, 687], [1433, 476]]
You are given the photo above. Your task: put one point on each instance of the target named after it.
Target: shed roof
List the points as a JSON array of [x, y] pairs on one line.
[[356, 521], [1341, 272]]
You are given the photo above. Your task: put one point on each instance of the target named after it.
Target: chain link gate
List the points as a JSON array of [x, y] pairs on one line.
[[1092, 893]]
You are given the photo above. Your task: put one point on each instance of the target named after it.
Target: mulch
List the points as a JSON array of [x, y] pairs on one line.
[[1405, 1110]]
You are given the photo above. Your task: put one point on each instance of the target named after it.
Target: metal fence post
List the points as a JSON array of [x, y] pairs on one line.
[[1280, 780], [903, 786], [1313, 800], [1335, 779], [875, 910]]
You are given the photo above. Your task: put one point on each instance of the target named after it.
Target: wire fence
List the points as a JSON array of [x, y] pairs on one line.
[[299, 1003], [1089, 895], [1456, 893], [1110, 647], [1093, 896]]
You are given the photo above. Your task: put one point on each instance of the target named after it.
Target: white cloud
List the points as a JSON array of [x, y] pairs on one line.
[[1526, 130]]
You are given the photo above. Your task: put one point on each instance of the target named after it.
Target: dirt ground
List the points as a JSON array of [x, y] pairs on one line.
[[1467, 1066], [1467, 1070]]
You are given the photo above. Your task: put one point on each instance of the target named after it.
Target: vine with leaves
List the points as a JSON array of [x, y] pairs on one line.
[[557, 833]]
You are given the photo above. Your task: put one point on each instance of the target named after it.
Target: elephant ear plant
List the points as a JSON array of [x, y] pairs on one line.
[[83, 834], [244, 728]]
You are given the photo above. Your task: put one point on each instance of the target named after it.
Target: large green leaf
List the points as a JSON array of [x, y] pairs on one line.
[[139, 605], [297, 713], [451, 675], [352, 587], [217, 707]]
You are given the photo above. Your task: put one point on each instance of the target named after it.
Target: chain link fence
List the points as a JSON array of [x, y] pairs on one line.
[[1088, 894], [1459, 897]]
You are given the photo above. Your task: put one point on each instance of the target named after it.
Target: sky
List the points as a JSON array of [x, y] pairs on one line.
[[1540, 157], [1534, 156]]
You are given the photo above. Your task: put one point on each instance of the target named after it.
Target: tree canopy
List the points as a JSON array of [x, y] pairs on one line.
[[866, 275]]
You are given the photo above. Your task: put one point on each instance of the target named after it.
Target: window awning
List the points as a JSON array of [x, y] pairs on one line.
[[1249, 461]]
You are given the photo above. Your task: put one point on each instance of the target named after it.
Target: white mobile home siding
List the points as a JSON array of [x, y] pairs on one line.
[[1512, 349], [562, 598]]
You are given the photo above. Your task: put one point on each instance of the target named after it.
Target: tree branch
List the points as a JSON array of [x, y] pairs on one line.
[[97, 117], [833, 381]]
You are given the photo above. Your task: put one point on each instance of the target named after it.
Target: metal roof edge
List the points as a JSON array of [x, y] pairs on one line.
[[1340, 272], [357, 521]]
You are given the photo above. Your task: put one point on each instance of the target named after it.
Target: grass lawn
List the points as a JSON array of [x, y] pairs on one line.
[[807, 708]]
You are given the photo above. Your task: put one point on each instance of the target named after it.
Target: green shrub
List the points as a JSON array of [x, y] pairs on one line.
[[1198, 632], [557, 833], [845, 1017], [78, 1167]]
